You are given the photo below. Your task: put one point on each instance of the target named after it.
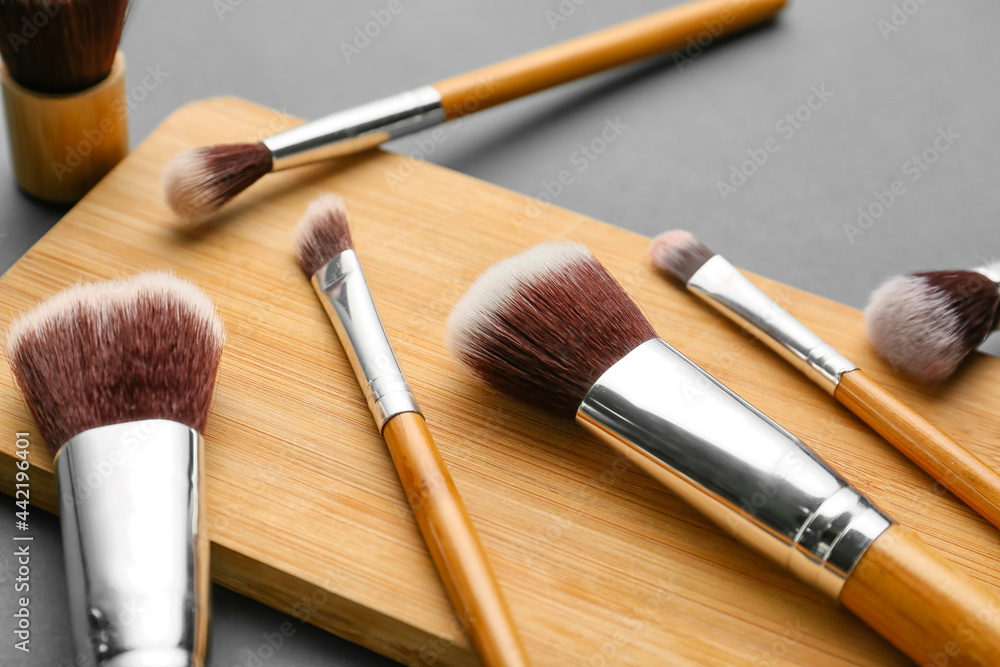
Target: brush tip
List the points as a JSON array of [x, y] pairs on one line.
[[926, 324], [117, 351], [544, 325], [679, 254], [200, 181], [322, 233]]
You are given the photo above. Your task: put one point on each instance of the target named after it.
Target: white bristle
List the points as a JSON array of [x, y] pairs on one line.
[[184, 184], [914, 327], [501, 281], [91, 295]]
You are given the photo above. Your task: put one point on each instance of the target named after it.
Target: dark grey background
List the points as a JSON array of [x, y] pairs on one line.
[[689, 122]]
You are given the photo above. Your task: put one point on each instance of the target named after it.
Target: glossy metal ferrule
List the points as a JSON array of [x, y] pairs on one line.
[[135, 544], [734, 464], [343, 290], [358, 129], [727, 290]]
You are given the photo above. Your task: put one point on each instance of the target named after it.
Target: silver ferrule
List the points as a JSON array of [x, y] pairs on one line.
[[746, 473], [991, 271], [358, 129], [727, 290], [135, 544], [342, 288]]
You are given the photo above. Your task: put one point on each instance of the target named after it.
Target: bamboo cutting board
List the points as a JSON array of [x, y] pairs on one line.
[[601, 566]]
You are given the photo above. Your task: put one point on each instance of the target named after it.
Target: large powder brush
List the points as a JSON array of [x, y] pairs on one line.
[[552, 328], [119, 376]]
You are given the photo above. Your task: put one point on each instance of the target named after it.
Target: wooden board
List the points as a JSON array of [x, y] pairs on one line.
[[600, 565]]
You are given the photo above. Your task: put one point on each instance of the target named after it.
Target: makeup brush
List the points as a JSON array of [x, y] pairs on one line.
[[326, 254], [552, 328], [717, 282], [201, 180], [63, 85], [118, 377], [926, 324]]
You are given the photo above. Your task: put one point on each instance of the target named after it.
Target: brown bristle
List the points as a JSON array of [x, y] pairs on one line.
[[200, 181], [544, 325], [927, 323], [322, 233], [60, 46], [117, 351], [679, 254]]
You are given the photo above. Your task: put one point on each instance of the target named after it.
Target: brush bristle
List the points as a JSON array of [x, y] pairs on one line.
[[679, 254], [544, 325], [117, 351], [926, 324], [60, 46], [200, 181], [322, 233]]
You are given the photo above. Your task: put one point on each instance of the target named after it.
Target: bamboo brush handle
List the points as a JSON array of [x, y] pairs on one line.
[[700, 23], [934, 613], [955, 467], [452, 541]]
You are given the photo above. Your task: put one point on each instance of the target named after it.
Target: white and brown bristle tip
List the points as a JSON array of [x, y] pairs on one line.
[[117, 351], [679, 254], [200, 181], [322, 233], [544, 325], [926, 324]]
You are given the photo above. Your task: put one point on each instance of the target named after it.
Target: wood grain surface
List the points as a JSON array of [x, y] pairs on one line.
[[668, 30], [452, 541], [599, 564], [934, 612], [957, 469]]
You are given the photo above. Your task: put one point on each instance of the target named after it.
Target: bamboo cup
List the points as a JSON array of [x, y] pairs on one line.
[[62, 145]]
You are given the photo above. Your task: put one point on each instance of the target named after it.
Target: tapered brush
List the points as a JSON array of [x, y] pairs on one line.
[[63, 84], [118, 377], [202, 180], [927, 324], [552, 328], [326, 254], [716, 281]]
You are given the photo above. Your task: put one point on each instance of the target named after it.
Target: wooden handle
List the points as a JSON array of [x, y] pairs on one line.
[[453, 542], [955, 467], [931, 611], [62, 145], [698, 23]]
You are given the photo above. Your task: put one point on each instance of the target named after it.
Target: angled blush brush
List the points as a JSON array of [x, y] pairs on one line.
[[552, 328], [118, 377], [926, 324], [717, 282], [201, 180], [325, 251]]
